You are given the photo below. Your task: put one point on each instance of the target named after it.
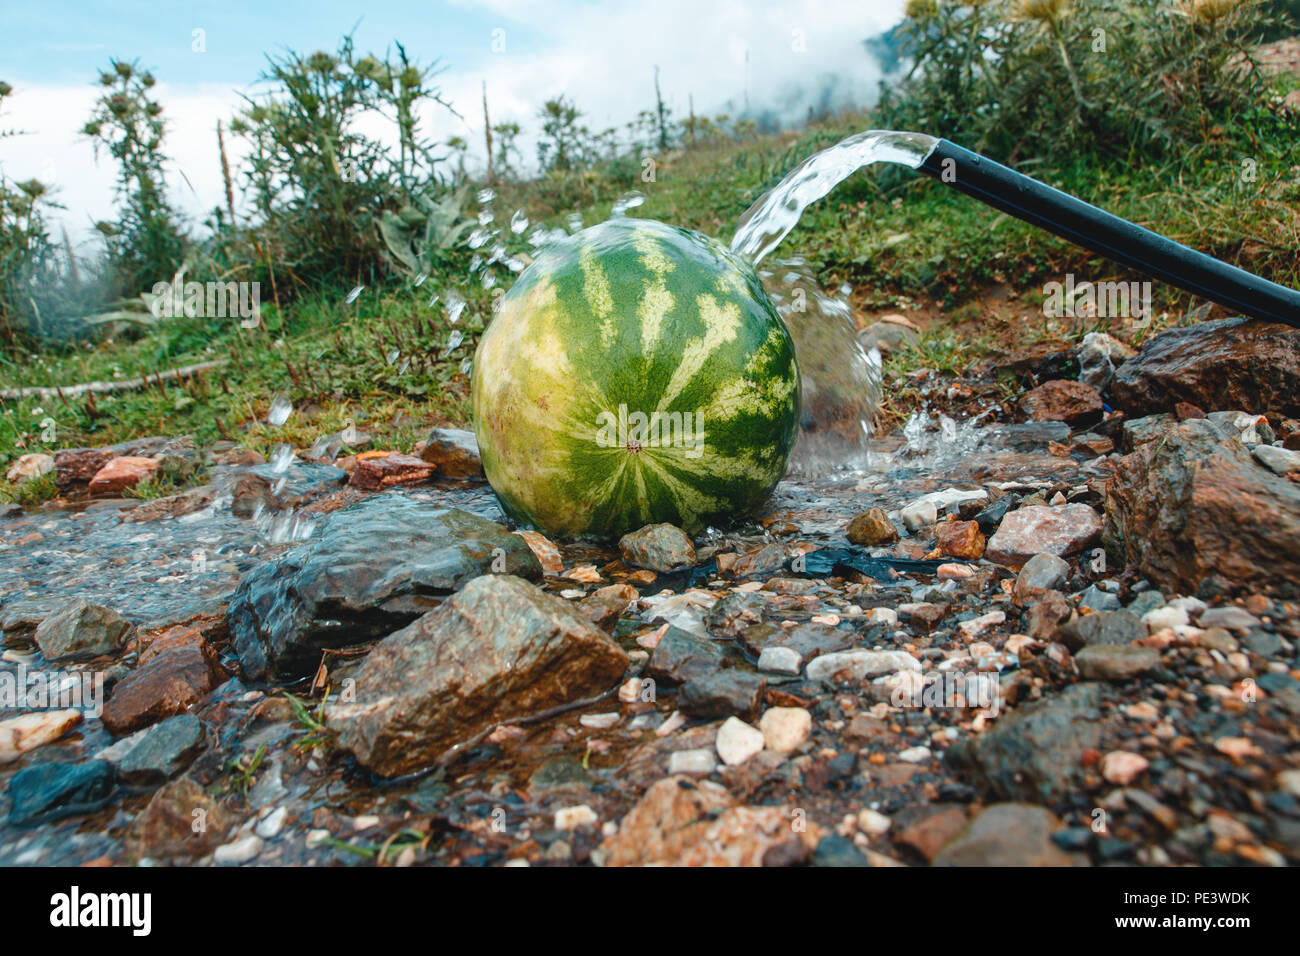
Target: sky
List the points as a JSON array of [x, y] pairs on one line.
[[777, 55]]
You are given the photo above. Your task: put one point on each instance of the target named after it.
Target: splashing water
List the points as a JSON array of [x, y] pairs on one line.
[[281, 409], [841, 382]]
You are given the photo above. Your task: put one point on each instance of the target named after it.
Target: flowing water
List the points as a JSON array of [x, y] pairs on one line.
[[841, 382]]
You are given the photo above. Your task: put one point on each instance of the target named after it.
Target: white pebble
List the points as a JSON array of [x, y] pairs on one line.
[[783, 660], [240, 851], [737, 741]]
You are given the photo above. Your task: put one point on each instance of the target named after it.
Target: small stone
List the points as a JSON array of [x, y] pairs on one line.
[[861, 664], [882, 615], [959, 539], [919, 514], [737, 741], [29, 466], [169, 684], [1101, 627], [1123, 767], [978, 625], [699, 761], [1281, 461], [243, 850], [1008, 834], [954, 572], [1289, 781], [785, 728], [872, 822], [1230, 618], [1075, 403], [376, 471], [162, 752], [1163, 617], [570, 818], [659, 547], [51, 791], [600, 721], [547, 554], [783, 660], [121, 473], [19, 735], [1111, 662], [1043, 529], [1042, 572], [270, 825], [916, 754], [82, 631], [872, 528], [453, 452]]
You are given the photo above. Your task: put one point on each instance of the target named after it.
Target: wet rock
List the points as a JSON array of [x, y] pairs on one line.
[[499, 649], [1228, 364], [1095, 598], [1113, 628], [1035, 753], [51, 791], [298, 482], [872, 528], [1045, 614], [937, 827], [991, 516], [181, 820], [1116, 662], [1042, 572], [173, 506], [737, 741], [604, 606], [1122, 767], [959, 539], [722, 694], [919, 514], [1280, 461], [701, 762], [806, 640], [454, 453], [1099, 356], [118, 474], [376, 566], [659, 547], [1075, 403], [19, 735], [679, 822], [243, 850], [782, 660], [169, 684], [860, 664], [77, 466], [163, 752], [1032, 436], [1195, 513], [547, 554], [251, 493], [764, 560], [888, 336], [1230, 618], [375, 472], [29, 466], [1041, 529], [1008, 834], [785, 728], [735, 613], [82, 631], [680, 656]]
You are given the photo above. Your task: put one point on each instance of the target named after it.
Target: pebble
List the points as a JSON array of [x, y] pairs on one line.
[[783, 660], [239, 851], [600, 721], [1281, 461], [1163, 617], [978, 625], [1115, 661], [570, 818], [737, 741], [919, 514], [861, 663], [269, 827], [872, 822], [882, 615], [785, 728], [692, 761], [914, 754], [1122, 767]]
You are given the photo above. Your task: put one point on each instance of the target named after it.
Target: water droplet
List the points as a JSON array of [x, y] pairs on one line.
[[466, 365], [352, 296], [281, 458], [281, 409], [489, 280], [574, 221], [455, 339], [625, 202], [518, 222], [485, 196], [455, 306], [402, 371], [479, 238], [485, 217], [419, 280], [393, 355]]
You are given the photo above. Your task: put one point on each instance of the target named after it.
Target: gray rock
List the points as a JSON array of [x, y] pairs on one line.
[[724, 693], [1101, 628], [734, 613], [887, 336], [1095, 599], [1034, 754], [302, 480], [376, 566], [163, 751], [1046, 571], [680, 656], [81, 631], [51, 791], [659, 547], [1230, 618], [1145, 602], [1116, 662], [499, 649], [1099, 356], [454, 452], [1282, 461]]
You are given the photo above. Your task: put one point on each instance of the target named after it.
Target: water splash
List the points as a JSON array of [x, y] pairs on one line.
[[841, 379], [770, 219], [281, 409]]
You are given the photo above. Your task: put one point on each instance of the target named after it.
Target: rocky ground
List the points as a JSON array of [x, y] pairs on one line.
[[1053, 627]]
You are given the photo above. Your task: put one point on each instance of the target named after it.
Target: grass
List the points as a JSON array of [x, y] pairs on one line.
[[386, 363]]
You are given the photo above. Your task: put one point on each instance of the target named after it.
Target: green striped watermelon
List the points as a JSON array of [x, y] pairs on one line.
[[635, 373]]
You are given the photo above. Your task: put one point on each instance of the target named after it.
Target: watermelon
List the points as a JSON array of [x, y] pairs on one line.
[[635, 373]]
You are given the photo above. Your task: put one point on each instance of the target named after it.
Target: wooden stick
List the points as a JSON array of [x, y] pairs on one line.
[[126, 385]]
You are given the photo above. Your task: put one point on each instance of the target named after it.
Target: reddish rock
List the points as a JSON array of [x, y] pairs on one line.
[[1185, 410], [181, 820], [928, 836], [547, 554], [1009, 834], [960, 539], [76, 466], [606, 605], [1194, 511], [390, 470], [454, 453], [1043, 529], [1063, 400], [872, 528], [170, 683], [121, 473], [1218, 366]]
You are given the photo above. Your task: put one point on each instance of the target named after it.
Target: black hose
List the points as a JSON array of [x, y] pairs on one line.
[[1113, 237]]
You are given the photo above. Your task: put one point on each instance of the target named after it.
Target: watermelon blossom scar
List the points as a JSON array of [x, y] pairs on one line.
[[637, 430]]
